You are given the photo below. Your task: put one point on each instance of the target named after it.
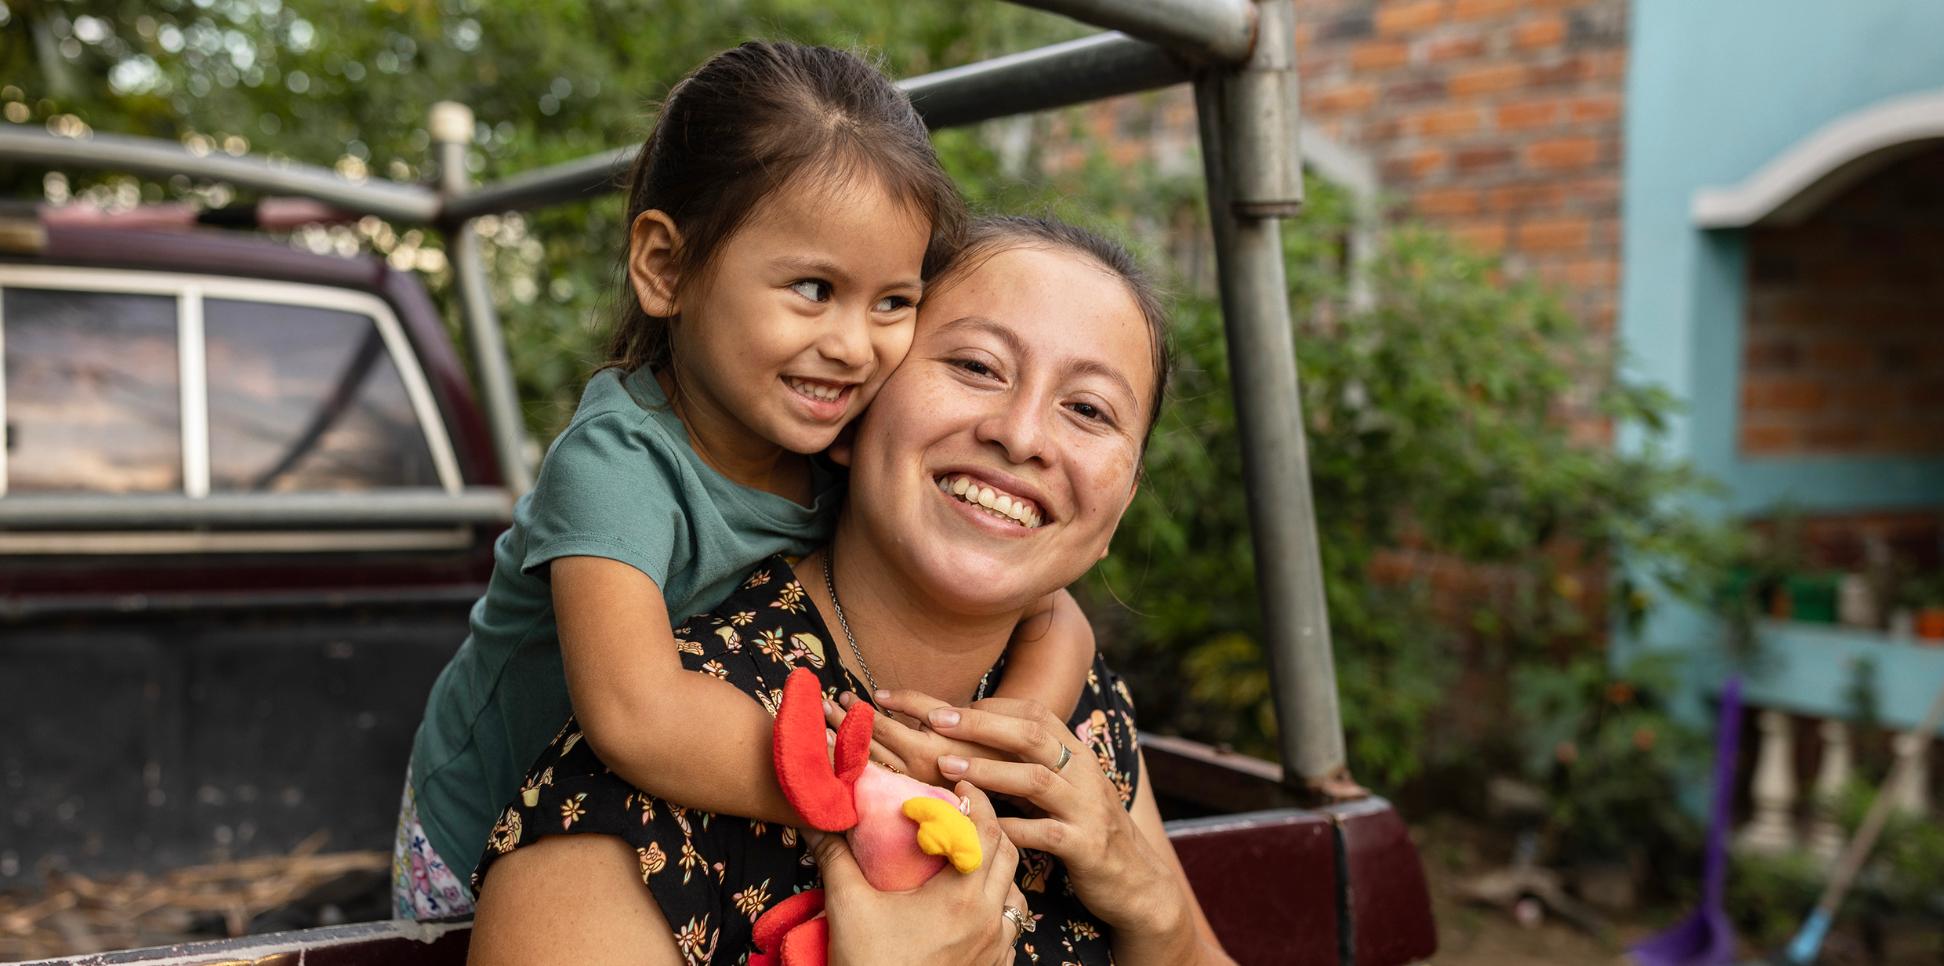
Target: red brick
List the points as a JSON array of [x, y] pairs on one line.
[[1345, 98], [1444, 121], [1603, 273], [1845, 436], [1416, 165], [1487, 80], [1406, 18], [1771, 354], [1379, 55], [1454, 48], [1481, 9], [1597, 107], [1845, 355], [1527, 114], [1779, 394], [1545, 31], [1485, 235], [1446, 201], [1523, 195], [1562, 153], [1481, 158], [1558, 234], [1768, 439]]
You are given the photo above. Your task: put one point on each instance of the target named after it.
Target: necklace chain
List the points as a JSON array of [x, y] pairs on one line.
[[830, 586]]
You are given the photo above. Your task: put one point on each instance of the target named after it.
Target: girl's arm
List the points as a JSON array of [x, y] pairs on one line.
[[677, 735], [1051, 652]]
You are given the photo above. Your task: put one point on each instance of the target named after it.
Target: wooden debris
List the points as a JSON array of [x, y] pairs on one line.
[[77, 914]]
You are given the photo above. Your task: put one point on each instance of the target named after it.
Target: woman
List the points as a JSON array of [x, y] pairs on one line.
[[992, 469]]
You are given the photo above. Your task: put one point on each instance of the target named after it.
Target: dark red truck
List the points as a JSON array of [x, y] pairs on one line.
[[247, 495]]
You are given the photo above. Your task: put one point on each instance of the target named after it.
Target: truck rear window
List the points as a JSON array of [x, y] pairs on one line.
[[303, 399], [93, 398]]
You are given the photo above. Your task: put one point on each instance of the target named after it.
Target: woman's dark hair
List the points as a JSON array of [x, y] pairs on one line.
[[751, 120], [992, 234]]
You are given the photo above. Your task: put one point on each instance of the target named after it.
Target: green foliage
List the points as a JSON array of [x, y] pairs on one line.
[[1611, 757], [348, 84], [1439, 415]]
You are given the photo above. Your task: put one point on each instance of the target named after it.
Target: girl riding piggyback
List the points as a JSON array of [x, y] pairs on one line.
[[783, 218]]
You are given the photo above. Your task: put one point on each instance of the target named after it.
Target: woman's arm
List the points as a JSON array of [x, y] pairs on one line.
[[1051, 652], [677, 735], [570, 899], [1120, 863]]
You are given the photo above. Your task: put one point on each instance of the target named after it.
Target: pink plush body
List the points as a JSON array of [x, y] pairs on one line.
[[884, 841]]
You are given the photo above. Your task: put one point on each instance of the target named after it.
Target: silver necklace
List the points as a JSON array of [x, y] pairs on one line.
[[830, 586]]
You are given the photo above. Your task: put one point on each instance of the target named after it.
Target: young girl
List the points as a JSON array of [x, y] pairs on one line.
[[781, 214]]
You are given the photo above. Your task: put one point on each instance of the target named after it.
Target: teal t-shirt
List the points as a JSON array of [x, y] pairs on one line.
[[620, 482]]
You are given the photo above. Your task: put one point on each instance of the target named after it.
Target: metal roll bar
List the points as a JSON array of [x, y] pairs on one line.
[[88, 511], [1241, 57]]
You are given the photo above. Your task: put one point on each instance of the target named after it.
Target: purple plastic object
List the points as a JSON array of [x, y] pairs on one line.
[[1705, 938]]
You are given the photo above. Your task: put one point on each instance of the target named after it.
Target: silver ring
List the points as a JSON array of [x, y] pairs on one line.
[[1066, 755], [1022, 921]]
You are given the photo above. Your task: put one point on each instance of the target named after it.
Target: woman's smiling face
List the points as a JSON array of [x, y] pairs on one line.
[[996, 462]]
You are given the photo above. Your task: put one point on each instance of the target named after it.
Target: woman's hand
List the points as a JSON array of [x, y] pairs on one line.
[[1115, 871], [951, 920], [912, 750]]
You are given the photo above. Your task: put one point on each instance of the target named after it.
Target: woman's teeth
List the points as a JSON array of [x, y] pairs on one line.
[[1017, 509], [815, 390]]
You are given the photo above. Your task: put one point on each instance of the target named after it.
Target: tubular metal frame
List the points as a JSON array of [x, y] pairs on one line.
[[1240, 54]]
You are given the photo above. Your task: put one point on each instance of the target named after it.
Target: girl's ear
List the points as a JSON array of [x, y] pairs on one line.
[[652, 241]]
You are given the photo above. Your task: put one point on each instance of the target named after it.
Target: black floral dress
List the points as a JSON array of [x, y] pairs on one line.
[[713, 875]]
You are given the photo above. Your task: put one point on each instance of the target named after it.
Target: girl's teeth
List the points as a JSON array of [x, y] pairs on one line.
[[1003, 505], [815, 391]]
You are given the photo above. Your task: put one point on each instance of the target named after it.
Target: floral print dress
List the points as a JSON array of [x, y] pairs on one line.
[[713, 875]]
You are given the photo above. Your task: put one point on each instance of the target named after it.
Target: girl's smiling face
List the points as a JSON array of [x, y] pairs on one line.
[[795, 321], [999, 458]]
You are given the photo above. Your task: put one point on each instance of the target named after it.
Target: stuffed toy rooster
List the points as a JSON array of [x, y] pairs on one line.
[[902, 831]]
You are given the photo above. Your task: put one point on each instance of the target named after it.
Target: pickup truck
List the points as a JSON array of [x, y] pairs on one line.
[[172, 693]]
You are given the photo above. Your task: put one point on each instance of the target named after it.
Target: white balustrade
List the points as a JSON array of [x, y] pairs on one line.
[[1826, 836], [1912, 795], [1772, 829]]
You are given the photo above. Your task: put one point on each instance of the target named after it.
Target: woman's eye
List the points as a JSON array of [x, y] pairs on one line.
[[973, 366], [814, 289], [892, 303], [1090, 412]]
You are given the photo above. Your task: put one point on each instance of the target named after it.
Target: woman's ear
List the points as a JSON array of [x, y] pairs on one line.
[[652, 242]]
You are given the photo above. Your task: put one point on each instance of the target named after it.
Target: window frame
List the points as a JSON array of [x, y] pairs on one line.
[[190, 290]]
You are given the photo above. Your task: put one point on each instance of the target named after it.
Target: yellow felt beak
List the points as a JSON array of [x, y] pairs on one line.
[[943, 830]]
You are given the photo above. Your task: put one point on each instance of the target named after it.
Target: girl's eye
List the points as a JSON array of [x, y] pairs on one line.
[[814, 289], [973, 366], [892, 303]]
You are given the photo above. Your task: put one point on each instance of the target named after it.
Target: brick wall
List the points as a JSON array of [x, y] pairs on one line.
[[1844, 342], [1499, 120]]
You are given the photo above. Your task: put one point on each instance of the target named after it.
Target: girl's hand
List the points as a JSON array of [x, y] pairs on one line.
[[904, 748], [951, 920], [1115, 871]]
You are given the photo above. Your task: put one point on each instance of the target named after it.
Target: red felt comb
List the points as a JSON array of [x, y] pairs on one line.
[[821, 794], [774, 925]]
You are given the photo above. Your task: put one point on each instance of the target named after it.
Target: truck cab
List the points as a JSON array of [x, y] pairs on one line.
[[220, 608]]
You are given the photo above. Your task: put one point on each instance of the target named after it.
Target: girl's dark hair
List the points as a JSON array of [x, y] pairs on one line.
[[751, 120], [992, 234]]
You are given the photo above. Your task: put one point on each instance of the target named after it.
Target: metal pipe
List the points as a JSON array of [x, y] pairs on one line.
[[1060, 75], [402, 203], [36, 511], [451, 126], [1269, 414], [1224, 30]]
